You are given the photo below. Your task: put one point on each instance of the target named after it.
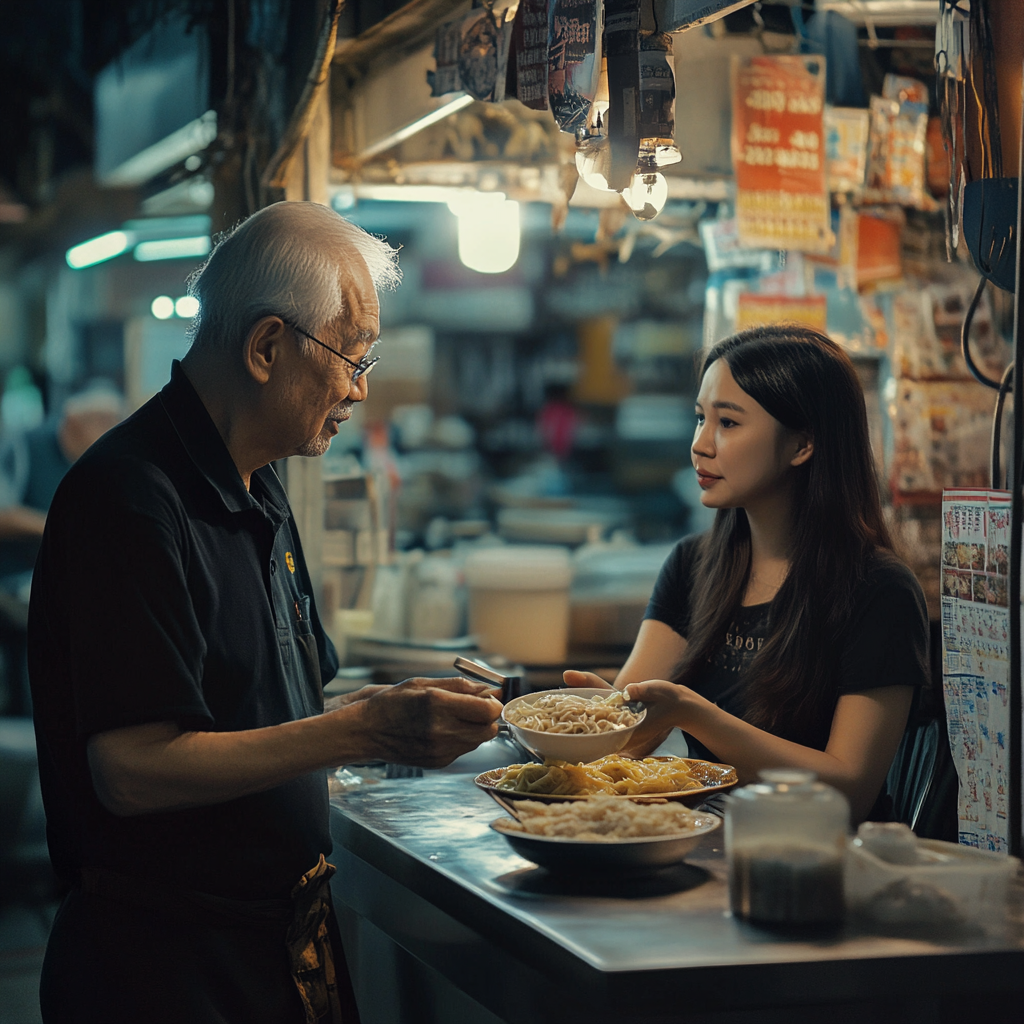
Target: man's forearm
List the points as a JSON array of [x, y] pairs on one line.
[[160, 768]]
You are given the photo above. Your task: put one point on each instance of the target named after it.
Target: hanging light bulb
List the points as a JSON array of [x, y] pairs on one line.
[[488, 231], [647, 192], [593, 158]]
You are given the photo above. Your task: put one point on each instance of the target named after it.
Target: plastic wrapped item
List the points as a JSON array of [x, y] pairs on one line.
[[784, 839], [898, 883]]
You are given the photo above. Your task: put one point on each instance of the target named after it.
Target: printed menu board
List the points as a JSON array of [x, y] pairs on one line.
[[976, 659], [778, 151]]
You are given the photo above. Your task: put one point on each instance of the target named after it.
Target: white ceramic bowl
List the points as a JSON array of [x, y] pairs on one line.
[[575, 747]]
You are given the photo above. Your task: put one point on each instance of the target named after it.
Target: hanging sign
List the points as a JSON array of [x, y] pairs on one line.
[[528, 56], [778, 149], [976, 659], [574, 61]]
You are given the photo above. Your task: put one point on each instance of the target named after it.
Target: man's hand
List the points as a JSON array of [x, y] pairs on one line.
[[428, 722]]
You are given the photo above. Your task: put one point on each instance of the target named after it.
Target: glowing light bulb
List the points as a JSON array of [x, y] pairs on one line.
[[593, 159], [162, 307], [186, 307], [647, 193], [488, 231]]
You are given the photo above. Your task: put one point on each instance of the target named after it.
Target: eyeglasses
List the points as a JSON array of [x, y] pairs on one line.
[[360, 369]]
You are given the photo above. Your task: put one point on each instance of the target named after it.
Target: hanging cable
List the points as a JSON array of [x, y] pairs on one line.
[[965, 339], [1005, 386]]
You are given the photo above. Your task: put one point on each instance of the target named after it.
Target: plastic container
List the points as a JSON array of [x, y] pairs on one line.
[[519, 602], [785, 838], [900, 884]]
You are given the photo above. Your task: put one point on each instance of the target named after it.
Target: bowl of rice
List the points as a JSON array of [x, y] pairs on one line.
[[576, 725], [603, 832]]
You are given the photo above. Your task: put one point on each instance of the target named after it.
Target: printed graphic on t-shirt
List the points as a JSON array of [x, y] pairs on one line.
[[744, 637]]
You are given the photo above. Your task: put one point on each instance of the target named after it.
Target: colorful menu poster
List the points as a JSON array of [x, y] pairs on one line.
[[778, 151], [976, 659]]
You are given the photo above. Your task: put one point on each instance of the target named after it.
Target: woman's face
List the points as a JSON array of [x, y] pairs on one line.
[[743, 456]]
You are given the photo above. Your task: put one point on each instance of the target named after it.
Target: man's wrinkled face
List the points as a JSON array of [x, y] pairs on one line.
[[328, 392]]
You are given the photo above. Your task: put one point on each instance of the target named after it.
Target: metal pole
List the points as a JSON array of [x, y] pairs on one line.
[[1016, 782]]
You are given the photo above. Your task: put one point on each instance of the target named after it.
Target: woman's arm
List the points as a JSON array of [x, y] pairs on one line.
[[866, 730], [657, 654]]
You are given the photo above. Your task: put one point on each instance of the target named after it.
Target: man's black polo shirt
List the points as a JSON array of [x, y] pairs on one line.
[[166, 591]]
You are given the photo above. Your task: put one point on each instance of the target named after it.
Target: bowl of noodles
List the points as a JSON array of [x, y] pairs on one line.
[[576, 725], [685, 779], [603, 833]]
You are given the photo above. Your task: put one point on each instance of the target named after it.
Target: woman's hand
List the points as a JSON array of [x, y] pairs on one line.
[[573, 678], [669, 706]]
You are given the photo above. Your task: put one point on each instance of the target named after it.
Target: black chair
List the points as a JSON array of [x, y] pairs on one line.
[[922, 781]]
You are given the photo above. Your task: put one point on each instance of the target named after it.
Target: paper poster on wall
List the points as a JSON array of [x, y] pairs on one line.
[[976, 659], [778, 151], [756, 310]]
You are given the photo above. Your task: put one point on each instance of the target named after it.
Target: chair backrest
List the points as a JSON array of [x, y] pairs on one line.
[[913, 770]]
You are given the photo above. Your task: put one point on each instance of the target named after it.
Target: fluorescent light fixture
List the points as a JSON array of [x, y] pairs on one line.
[[192, 138], [489, 231], [438, 114], [162, 307], [97, 250], [186, 307], [404, 193], [172, 248]]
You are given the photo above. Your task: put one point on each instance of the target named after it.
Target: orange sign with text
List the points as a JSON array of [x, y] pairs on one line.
[[778, 151], [757, 310]]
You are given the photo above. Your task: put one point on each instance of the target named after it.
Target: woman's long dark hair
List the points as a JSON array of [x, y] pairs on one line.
[[807, 383]]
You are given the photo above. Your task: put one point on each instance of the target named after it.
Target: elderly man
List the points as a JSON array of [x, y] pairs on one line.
[[176, 659]]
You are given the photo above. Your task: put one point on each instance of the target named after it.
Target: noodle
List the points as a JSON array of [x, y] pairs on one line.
[[614, 776], [571, 713], [601, 819]]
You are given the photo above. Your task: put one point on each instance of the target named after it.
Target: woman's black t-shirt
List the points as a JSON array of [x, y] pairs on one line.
[[884, 644]]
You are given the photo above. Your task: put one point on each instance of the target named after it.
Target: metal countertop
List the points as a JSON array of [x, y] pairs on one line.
[[431, 835]]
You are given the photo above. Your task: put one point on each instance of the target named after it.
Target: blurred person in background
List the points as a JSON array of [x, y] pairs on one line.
[[32, 464]]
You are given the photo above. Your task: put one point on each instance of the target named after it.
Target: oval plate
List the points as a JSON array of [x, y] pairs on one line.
[[641, 854], [691, 797]]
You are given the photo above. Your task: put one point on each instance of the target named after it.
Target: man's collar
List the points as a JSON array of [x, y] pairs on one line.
[[206, 448]]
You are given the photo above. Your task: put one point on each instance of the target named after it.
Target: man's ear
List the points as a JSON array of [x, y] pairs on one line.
[[263, 347], [804, 449]]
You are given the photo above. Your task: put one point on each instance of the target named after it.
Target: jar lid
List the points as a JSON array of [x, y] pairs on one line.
[[787, 776]]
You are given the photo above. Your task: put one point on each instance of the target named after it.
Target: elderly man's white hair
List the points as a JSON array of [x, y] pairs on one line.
[[282, 261]]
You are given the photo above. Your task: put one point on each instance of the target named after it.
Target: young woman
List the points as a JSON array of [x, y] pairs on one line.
[[791, 633]]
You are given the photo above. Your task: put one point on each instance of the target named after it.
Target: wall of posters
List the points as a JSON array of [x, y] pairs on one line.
[[778, 150], [976, 659]]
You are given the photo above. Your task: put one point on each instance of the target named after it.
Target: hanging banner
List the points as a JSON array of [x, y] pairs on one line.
[[778, 151], [976, 659], [622, 46], [574, 61], [469, 54], [528, 56]]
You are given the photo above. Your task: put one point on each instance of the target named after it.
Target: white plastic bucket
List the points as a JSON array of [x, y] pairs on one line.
[[519, 602]]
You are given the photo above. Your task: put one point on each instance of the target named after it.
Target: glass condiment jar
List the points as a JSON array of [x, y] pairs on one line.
[[784, 839]]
